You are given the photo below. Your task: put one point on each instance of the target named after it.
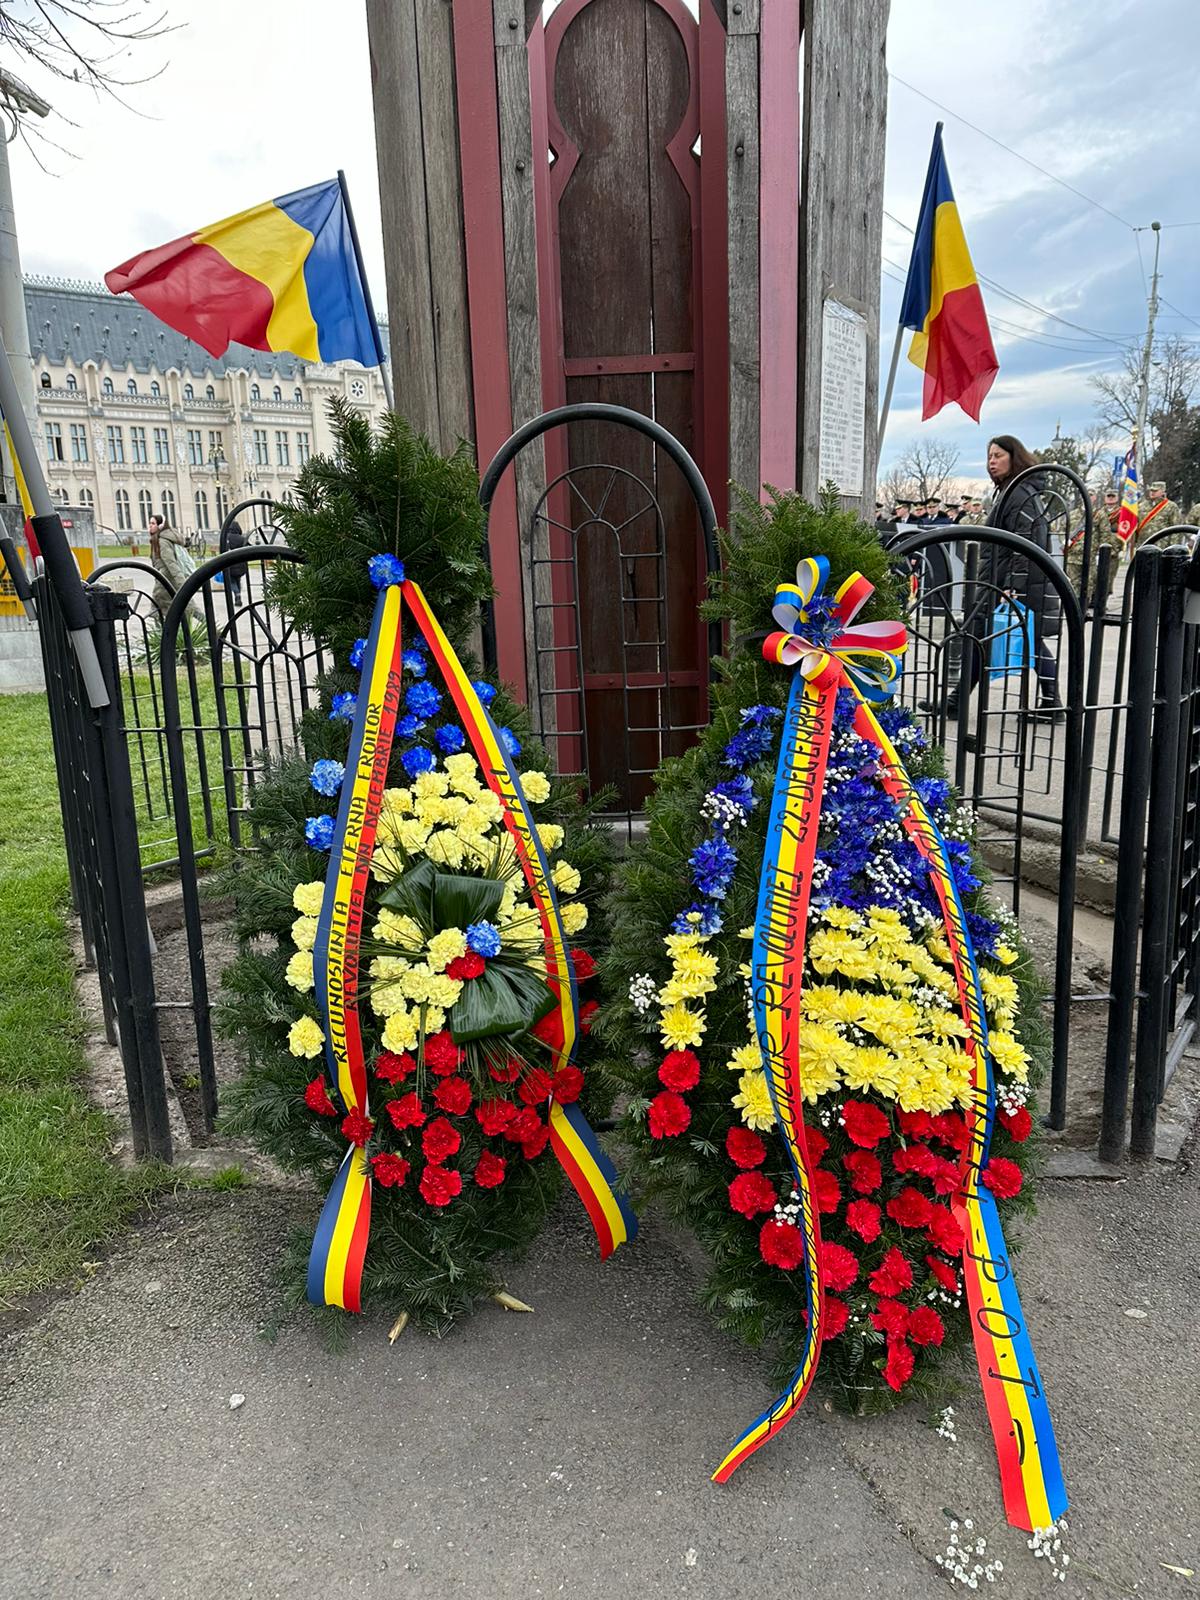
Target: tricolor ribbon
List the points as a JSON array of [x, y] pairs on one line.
[[867, 657], [339, 1245]]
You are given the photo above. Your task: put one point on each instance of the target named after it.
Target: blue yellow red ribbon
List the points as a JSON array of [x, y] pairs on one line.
[[336, 1259]]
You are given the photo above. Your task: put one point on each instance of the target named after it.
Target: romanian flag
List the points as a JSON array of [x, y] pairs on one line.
[[282, 276], [952, 343], [1130, 513]]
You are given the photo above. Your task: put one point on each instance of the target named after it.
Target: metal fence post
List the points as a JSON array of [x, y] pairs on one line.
[[1163, 820], [1135, 790]]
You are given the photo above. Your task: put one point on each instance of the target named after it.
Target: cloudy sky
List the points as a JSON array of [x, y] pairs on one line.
[[255, 99]]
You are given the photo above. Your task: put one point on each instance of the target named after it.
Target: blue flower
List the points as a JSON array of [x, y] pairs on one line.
[[358, 651], [510, 742], [343, 707], [409, 727], [985, 934], [934, 793], [418, 759], [818, 621], [760, 716], [326, 777], [707, 921], [450, 739], [484, 939], [712, 864], [748, 745], [385, 569], [318, 832], [413, 661], [738, 791], [485, 691], [423, 700]]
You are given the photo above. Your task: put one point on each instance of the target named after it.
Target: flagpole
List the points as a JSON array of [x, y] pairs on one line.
[[887, 393], [891, 379], [366, 289]]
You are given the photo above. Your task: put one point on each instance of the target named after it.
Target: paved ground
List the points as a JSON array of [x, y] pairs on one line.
[[568, 1452]]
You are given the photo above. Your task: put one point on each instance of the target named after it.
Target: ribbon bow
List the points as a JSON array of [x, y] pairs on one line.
[[818, 637]]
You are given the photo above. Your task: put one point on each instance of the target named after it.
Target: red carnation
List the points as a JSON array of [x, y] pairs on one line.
[[316, 1098], [744, 1148], [866, 1174], [453, 1095], [680, 1070], [1002, 1177], [393, 1068], [567, 1085], [532, 1148], [898, 1368], [915, 1124], [585, 966], [943, 1272], [925, 1326], [816, 1144], [466, 967], [442, 1055], [910, 1208], [952, 1129], [864, 1219], [536, 1087], [917, 1158], [505, 1071], [407, 1112], [1018, 1123], [865, 1124], [439, 1185], [944, 1177], [357, 1128], [668, 1115], [839, 1266], [780, 1245], [586, 1012], [523, 1125], [944, 1232], [489, 1170], [750, 1193], [440, 1139], [826, 1191], [493, 1116], [890, 1317], [550, 1029], [837, 1314], [388, 1169], [892, 1275]]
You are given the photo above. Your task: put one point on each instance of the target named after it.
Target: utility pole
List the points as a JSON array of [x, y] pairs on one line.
[[1139, 436], [15, 97]]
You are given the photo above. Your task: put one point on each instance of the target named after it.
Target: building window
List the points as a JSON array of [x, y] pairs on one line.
[[46, 380], [168, 507], [116, 445], [86, 499], [303, 448], [61, 495], [195, 441], [124, 520], [216, 444], [188, 392], [201, 510], [107, 386], [155, 390], [79, 442], [262, 456], [222, 506], [162, 447], [71, 383], [137, 445], [298, 395], [131, 387], [210, 393], [145, 507], [54, 442], [255, 392], [283, 456], [277, 394]]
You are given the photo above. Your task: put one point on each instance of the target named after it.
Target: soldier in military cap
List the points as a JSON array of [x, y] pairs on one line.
[[1157, 513]]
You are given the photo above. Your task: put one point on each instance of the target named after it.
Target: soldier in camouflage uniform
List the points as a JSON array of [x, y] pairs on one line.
[[1104, 532], [1155, 520]]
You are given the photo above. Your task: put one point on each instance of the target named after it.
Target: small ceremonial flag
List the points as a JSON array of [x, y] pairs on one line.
[[283, 276], [952, 343], [1130, 514]]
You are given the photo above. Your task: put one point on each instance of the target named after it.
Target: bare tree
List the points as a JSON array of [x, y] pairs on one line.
[[926, 467], [1174, 376]]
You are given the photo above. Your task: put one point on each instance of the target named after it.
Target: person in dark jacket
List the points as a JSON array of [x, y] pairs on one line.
[[232, 538]]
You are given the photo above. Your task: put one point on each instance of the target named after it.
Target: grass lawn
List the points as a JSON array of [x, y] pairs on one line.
[[60, 1195]]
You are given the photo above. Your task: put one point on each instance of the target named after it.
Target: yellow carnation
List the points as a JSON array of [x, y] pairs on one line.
[[414, 984], [575, 917], [680, 1028], [392, 928], [432, 810], [398, 800], [430, 783], [566, 877], [536, 786], [461, 769], [753, 1101], [551, 836], [307, 897], [411, 835], [387, 997], [304, 932], [401, 1031], [445, 848], [305, 1038], [446, 947], [442, 991], [486, 807], [300, 970], [746, 1058], [388, 966]]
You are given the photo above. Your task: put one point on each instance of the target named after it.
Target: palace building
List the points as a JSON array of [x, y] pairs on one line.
[[135, 418]]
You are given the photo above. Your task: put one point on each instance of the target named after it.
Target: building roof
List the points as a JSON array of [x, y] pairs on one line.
[[70, 320]]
